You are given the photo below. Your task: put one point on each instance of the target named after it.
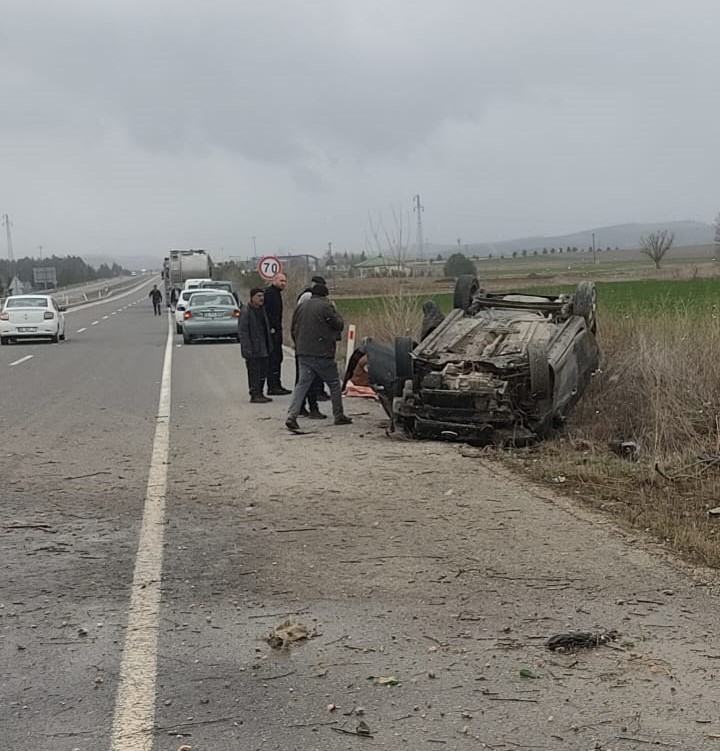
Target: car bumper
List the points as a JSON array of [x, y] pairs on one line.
[[218, 328], [29, 331]]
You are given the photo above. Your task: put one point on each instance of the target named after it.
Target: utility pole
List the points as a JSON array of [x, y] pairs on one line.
[[254, 247], [419, 208], [8, 224], [594, 255], [40, 249]]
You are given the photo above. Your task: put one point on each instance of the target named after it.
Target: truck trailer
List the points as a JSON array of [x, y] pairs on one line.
[[185, 264]]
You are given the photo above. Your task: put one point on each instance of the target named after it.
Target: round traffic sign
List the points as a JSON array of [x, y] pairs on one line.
[[268, 266]]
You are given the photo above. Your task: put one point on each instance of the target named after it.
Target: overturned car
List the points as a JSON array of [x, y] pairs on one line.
[[500, 367]]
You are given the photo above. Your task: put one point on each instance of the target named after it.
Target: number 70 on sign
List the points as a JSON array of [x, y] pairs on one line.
[[269, 266]]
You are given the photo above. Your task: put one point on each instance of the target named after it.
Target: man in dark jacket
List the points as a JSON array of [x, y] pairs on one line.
[[255, 344], [156, 297], [274, 310], [316, 327]]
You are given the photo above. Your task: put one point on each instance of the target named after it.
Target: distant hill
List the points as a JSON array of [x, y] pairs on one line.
[[623, 236]]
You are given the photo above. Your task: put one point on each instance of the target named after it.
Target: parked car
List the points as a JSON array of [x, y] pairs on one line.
[[225, 285], [32, 317], [500, 367], [195, 283], [181, 305], [212, 314]]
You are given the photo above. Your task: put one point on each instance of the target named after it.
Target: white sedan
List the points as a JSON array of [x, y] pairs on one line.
[[181, 307], [32, 317]]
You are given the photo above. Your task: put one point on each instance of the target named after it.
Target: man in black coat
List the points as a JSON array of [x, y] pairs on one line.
[[255, 344], [316, 327], [274, 310]]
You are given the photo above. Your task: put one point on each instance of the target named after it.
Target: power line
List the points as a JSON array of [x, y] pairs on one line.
[[419, 208], [6, 221]]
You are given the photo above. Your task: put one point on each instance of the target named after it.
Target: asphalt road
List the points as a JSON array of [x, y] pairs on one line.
[[156, 529]]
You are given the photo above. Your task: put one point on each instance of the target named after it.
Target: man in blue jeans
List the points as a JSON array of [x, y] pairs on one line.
[[316, 328]]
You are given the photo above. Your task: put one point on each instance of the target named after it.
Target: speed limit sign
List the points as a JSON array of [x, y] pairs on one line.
[[268, 266]]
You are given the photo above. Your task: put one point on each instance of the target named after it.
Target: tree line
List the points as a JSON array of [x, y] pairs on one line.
[[68, 270]]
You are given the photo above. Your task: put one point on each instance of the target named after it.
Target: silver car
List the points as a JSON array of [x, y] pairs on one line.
[[212, 314]]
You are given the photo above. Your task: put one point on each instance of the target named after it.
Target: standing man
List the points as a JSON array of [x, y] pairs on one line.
[[316, 326], [255, 344], [156, 297], [274, 310]]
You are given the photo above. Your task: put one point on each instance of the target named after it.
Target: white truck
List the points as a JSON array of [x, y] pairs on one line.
[[181, 265]]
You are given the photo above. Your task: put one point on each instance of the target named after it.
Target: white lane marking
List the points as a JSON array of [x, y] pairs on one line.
[[95, 323], [105, 318], [133, 724], [22, 359], [79, 331], [114, 313]]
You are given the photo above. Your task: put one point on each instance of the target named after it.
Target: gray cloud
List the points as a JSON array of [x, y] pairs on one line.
[[510, 118]]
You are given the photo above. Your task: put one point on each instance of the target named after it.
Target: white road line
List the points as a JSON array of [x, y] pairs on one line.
[[22, 359], [133, 724], [79, 331], [105, 318], [114, 313], [95, 323]]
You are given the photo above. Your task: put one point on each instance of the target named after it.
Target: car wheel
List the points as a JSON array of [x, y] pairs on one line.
[[585, 304], [178, 328], [540, 384], [187, 339], [55, 338], [237, 338], [466, 287], [403, 362], [4, 340]]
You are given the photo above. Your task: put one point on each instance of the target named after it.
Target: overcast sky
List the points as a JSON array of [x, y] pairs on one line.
[[135, 126]]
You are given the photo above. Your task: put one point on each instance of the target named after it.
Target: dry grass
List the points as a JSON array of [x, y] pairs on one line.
[[659, 387]]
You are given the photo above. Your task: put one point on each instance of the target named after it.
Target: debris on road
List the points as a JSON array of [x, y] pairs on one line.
[[287, 633], [572, 640], [389, 680]]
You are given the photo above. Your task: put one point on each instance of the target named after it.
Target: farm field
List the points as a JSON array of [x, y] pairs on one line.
[[649, 296]]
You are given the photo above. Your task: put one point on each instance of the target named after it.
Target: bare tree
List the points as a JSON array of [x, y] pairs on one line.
[[395, 239], [656, 245]]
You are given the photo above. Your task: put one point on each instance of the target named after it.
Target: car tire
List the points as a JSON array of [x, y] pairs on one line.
[[178, 328], [466, 287], [4, 340], [585, 304], [55, 338], [540, 381], [186, 339]]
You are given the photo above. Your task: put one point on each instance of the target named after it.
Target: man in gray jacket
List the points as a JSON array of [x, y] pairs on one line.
[[316, 327]]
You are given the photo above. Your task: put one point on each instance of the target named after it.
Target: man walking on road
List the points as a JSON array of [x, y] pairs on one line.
[[274, 310], [255, 344], [316, 327], [156, 297]]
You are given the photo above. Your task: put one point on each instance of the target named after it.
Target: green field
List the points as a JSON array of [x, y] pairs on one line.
[[637, 296]]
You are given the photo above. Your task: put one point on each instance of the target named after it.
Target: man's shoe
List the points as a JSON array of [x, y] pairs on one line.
[[343, 420], [292, 425], [315, 414], [260, 399], [279, 391], [323, 397], [303, 413]]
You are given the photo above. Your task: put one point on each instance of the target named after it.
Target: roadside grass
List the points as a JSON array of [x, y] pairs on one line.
[[658, 387]]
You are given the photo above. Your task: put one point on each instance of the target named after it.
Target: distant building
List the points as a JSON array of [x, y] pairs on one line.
[[383, 267]]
